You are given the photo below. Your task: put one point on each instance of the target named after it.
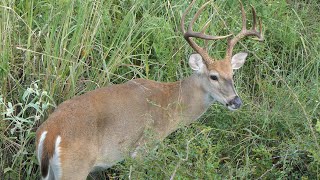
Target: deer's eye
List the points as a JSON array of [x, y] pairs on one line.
[[214, 77]]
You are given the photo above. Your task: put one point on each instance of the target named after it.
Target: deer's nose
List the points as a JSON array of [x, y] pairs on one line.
[[235, 103]]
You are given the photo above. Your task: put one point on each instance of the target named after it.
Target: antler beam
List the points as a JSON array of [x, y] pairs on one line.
[[244, 32], [190, 33]]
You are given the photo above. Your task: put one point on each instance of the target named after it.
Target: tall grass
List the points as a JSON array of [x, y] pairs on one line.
[[53, 50]]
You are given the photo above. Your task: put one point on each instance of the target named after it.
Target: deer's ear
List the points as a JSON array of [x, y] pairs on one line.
[[196, 63], [238, 60]]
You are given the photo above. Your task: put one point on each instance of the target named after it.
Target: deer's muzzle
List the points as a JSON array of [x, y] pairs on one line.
[[235, 103]]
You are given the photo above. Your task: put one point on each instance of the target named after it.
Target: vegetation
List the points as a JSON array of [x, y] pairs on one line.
[[53, 50]]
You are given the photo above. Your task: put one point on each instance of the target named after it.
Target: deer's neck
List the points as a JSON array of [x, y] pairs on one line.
[[173, 105], [192, 99]]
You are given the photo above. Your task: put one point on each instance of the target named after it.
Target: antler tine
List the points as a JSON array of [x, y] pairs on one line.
[[254, 26], [261, 35], [244, 18], [244, 32], [184, 15], [190, 33], [196, 16], [254, 18], [202, 31], [260, 30], [205, 27]]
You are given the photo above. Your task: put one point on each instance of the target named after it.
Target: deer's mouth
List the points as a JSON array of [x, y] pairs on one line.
[[234, 104], [232, 108]]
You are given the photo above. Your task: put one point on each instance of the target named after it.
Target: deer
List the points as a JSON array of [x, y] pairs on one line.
[[103, 127]]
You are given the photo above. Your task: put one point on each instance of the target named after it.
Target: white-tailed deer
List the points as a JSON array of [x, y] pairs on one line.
[[102, 127]]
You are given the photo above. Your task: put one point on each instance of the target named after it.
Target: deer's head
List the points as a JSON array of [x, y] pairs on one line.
[[216, 76]]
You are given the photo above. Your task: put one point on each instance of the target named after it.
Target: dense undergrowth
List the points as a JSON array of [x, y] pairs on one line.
[[53, 50]]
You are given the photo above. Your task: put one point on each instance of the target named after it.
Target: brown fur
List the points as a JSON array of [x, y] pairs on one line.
[[223, 67], [113, 120], [104, 126]]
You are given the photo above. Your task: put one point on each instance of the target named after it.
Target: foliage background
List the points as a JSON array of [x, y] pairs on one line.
[[53, 50]]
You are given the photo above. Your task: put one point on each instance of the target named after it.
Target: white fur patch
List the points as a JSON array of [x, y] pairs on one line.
[[135, 153], [40, 145], [55, 163]]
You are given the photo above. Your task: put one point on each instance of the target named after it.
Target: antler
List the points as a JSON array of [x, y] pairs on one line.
[[190, 33], [244, 32]]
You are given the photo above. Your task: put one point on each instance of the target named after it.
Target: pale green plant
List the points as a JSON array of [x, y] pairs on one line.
[[21, 119]]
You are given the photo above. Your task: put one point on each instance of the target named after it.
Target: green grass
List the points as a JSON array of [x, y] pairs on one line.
[[53, 50]]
